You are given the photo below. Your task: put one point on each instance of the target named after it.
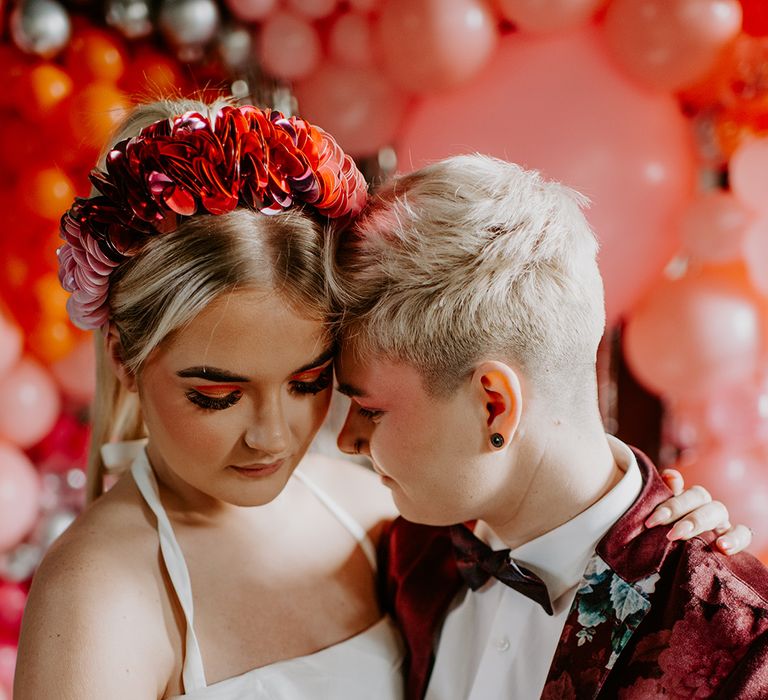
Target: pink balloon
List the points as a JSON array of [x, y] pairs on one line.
[[357, 105], [756, 253], [19, 496], [748, 173], [713, 227], [13, 597], [537, 17], [429, 45], [694, 336], [8, 653], [350, 40], [314, 9], [251, 10], [735, 415], [76, 373], [738, 478], [670, 44], [29, 404], [289, 47], [11, 343], [558, 104]]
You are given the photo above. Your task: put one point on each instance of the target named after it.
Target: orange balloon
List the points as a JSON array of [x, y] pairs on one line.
[[52, 339], [95, 55], [47, 192], [51, 297], [45, 87], [96, 111], [152, 74]]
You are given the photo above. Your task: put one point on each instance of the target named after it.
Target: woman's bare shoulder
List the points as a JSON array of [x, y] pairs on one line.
[[355, 487], [95, 610]]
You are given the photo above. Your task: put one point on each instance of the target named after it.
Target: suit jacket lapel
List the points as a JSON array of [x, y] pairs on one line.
[[613, 597]]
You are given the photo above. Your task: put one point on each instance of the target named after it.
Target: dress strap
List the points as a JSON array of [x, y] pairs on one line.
[[343, 516], [193, 673]]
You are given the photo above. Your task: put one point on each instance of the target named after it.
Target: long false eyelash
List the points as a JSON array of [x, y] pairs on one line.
[[368, 413], [320, 384], [213, 403]]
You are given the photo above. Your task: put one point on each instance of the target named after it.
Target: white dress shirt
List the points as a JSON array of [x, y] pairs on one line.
[[496, 642]]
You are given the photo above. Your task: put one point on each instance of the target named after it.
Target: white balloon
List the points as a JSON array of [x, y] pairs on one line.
[[41, 27]]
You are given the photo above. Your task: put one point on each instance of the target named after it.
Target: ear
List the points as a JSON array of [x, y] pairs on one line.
[[500, 388], [114, 351]]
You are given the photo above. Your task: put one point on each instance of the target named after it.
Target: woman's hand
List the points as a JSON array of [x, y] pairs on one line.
[[693, 511]]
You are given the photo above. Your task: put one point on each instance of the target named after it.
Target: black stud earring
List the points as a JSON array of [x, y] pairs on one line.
[[497, 440]]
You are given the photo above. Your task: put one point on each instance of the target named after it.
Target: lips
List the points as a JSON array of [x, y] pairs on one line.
[[258, 469]]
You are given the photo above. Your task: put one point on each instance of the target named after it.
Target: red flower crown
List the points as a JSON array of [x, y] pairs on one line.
[[176, 168]]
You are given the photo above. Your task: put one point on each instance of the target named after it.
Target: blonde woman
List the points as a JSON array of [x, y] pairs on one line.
[[226, 562]]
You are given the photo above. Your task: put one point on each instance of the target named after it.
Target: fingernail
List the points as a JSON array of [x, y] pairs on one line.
[[658, 517], [680, 530], [723, 543]]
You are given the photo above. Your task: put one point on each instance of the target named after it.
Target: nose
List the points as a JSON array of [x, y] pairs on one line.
[[354, 435], [268, 430]]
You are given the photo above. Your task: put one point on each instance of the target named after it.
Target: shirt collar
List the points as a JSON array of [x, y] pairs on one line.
[[560, 556]]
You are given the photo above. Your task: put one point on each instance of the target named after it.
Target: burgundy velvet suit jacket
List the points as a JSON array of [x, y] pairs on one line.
[[651, 619]]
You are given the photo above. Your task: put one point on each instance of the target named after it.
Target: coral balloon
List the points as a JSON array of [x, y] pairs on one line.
[[537, 17], [151, 71], [29, 403], [96, 111], [419, 41], [748, 171], [670, 44], [350, 40], [714, 226], [357, 105], [46, 87], [693, 336], [76, 373], [289, 47], [11, 343], [19, 496], [48, 192], [756, 253], [251, 10], [95, 55], [626, 148], [738, 477]]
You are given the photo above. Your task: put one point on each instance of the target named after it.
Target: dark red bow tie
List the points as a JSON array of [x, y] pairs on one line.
[[477, 562]]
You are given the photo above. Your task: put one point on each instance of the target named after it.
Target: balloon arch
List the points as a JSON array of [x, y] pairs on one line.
[[656, 109]]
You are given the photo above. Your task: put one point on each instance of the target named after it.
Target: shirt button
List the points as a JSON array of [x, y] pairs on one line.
[[502, 644]]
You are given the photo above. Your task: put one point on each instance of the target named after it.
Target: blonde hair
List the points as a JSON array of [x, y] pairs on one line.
[[471, 258], [178, 274]]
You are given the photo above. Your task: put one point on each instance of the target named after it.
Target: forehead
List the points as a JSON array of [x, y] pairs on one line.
[[248, 331], [375, 376]]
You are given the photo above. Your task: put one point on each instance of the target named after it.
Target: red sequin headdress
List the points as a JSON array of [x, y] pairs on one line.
[[188, 165]]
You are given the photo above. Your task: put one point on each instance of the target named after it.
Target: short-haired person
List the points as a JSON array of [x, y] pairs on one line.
[[226, 563], [471, 311]]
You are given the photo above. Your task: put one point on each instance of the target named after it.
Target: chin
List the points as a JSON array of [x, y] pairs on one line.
[[425, 515]]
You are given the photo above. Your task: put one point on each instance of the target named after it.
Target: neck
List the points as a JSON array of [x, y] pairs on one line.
[[552, 481]]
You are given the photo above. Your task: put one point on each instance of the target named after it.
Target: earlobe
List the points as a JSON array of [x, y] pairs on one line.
[[114, 351], [502, 395]]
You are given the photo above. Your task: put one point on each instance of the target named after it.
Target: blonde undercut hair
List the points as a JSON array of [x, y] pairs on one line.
[[472, 258]]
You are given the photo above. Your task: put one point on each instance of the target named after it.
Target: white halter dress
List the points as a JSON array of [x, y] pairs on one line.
[[367, 665]]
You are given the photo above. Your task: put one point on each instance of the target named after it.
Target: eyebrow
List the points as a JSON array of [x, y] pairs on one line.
[[350, 390], [215, 374]]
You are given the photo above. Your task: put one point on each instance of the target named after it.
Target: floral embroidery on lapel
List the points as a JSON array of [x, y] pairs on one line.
[[606, 597]]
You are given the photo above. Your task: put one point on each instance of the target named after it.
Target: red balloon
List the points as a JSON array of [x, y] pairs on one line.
[[670, 44], [429, 45], [558, 104], [356, 105], [755, 17], [696, 335], [13, 597]]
